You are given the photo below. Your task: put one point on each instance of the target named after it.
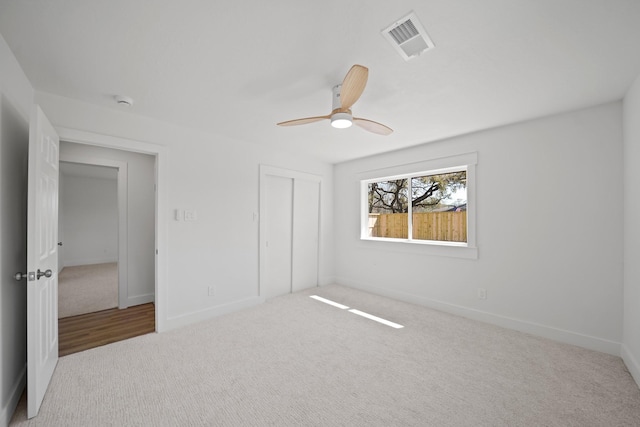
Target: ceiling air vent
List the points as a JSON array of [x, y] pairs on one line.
[[408, 37]]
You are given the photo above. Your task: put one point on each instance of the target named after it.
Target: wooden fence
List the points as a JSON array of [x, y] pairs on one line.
[[443, 226]]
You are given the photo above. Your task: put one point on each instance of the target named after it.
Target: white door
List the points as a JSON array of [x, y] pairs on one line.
[[289, 231], [306, 212], [42, 259], [277, 245]]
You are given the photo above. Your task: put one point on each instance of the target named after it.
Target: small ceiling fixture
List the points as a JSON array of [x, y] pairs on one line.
[[341, 120], [124, 100]]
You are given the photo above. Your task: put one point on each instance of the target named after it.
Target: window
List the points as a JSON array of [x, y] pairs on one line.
[[429, 203], [436, 210]]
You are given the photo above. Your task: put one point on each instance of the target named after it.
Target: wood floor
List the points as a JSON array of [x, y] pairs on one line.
[[79, 333]]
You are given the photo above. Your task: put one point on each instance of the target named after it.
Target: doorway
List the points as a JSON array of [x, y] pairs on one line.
[[42, 253], [88, 225], [108, 234]]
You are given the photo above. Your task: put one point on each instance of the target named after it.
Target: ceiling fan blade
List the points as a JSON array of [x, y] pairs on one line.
[[303, 121], [372, 126], [353, 85]]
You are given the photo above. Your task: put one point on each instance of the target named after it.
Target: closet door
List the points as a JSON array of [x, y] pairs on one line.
[[277, 245], [289, 231], [306, 215]]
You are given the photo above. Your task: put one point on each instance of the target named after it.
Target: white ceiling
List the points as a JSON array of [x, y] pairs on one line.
[[236, 68]]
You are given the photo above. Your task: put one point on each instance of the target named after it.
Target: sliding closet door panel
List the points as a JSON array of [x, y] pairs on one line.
[[278, 248], [306, 215]]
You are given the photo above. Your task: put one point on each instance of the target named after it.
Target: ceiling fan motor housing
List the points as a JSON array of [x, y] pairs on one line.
[[339, 118], [336, 104]]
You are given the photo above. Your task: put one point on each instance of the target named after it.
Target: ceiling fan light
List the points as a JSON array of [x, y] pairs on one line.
[[341, 120]]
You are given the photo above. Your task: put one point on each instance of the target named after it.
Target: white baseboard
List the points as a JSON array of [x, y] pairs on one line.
[[140, 299], [632, 363], [77, 262], [568, 337], [9, 407], [198, 316]]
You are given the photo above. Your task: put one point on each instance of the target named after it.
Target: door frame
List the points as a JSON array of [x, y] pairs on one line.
[[123, 224], [266, 170], [161, 217]]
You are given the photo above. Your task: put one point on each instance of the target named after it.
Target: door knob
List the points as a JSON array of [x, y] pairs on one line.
[[47, 273], [20, 276], [59, 243]]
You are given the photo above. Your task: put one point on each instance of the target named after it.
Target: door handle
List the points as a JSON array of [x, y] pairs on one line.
[[30, 276], [59, 243], [47, 273]]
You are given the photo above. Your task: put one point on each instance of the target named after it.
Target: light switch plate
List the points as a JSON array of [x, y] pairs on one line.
[[190, 215]]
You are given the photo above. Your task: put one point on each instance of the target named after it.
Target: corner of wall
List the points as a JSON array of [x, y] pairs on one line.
[[14, 83], [632, 364], [16, 100], [326, 280], [631, 292], [14, 397], [140, 299], [208, 313]]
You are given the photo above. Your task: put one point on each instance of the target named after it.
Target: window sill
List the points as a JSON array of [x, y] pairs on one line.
[[423, 247]]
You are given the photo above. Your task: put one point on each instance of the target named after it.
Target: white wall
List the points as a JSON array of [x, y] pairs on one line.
[[140, 216], [89, 220], [549, 230], [218, 177], [631, 335], [16, 95]]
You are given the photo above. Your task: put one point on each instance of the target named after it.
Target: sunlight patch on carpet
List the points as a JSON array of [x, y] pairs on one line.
[[376, 318], [328, 301], [358, 312]]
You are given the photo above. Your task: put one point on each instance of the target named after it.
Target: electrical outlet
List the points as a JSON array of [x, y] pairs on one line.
[[482, 293], [211, 291]]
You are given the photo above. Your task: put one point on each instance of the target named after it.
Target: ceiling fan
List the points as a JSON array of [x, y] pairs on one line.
[[344, 96]]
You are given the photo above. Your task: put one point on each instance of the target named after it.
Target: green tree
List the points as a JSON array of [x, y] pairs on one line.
[[426, 192]]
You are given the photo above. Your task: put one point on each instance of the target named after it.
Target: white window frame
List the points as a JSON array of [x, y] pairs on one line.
[[468, 162]]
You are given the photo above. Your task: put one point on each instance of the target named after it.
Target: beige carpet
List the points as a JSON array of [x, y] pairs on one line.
[[87, 288], [295, 361]]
